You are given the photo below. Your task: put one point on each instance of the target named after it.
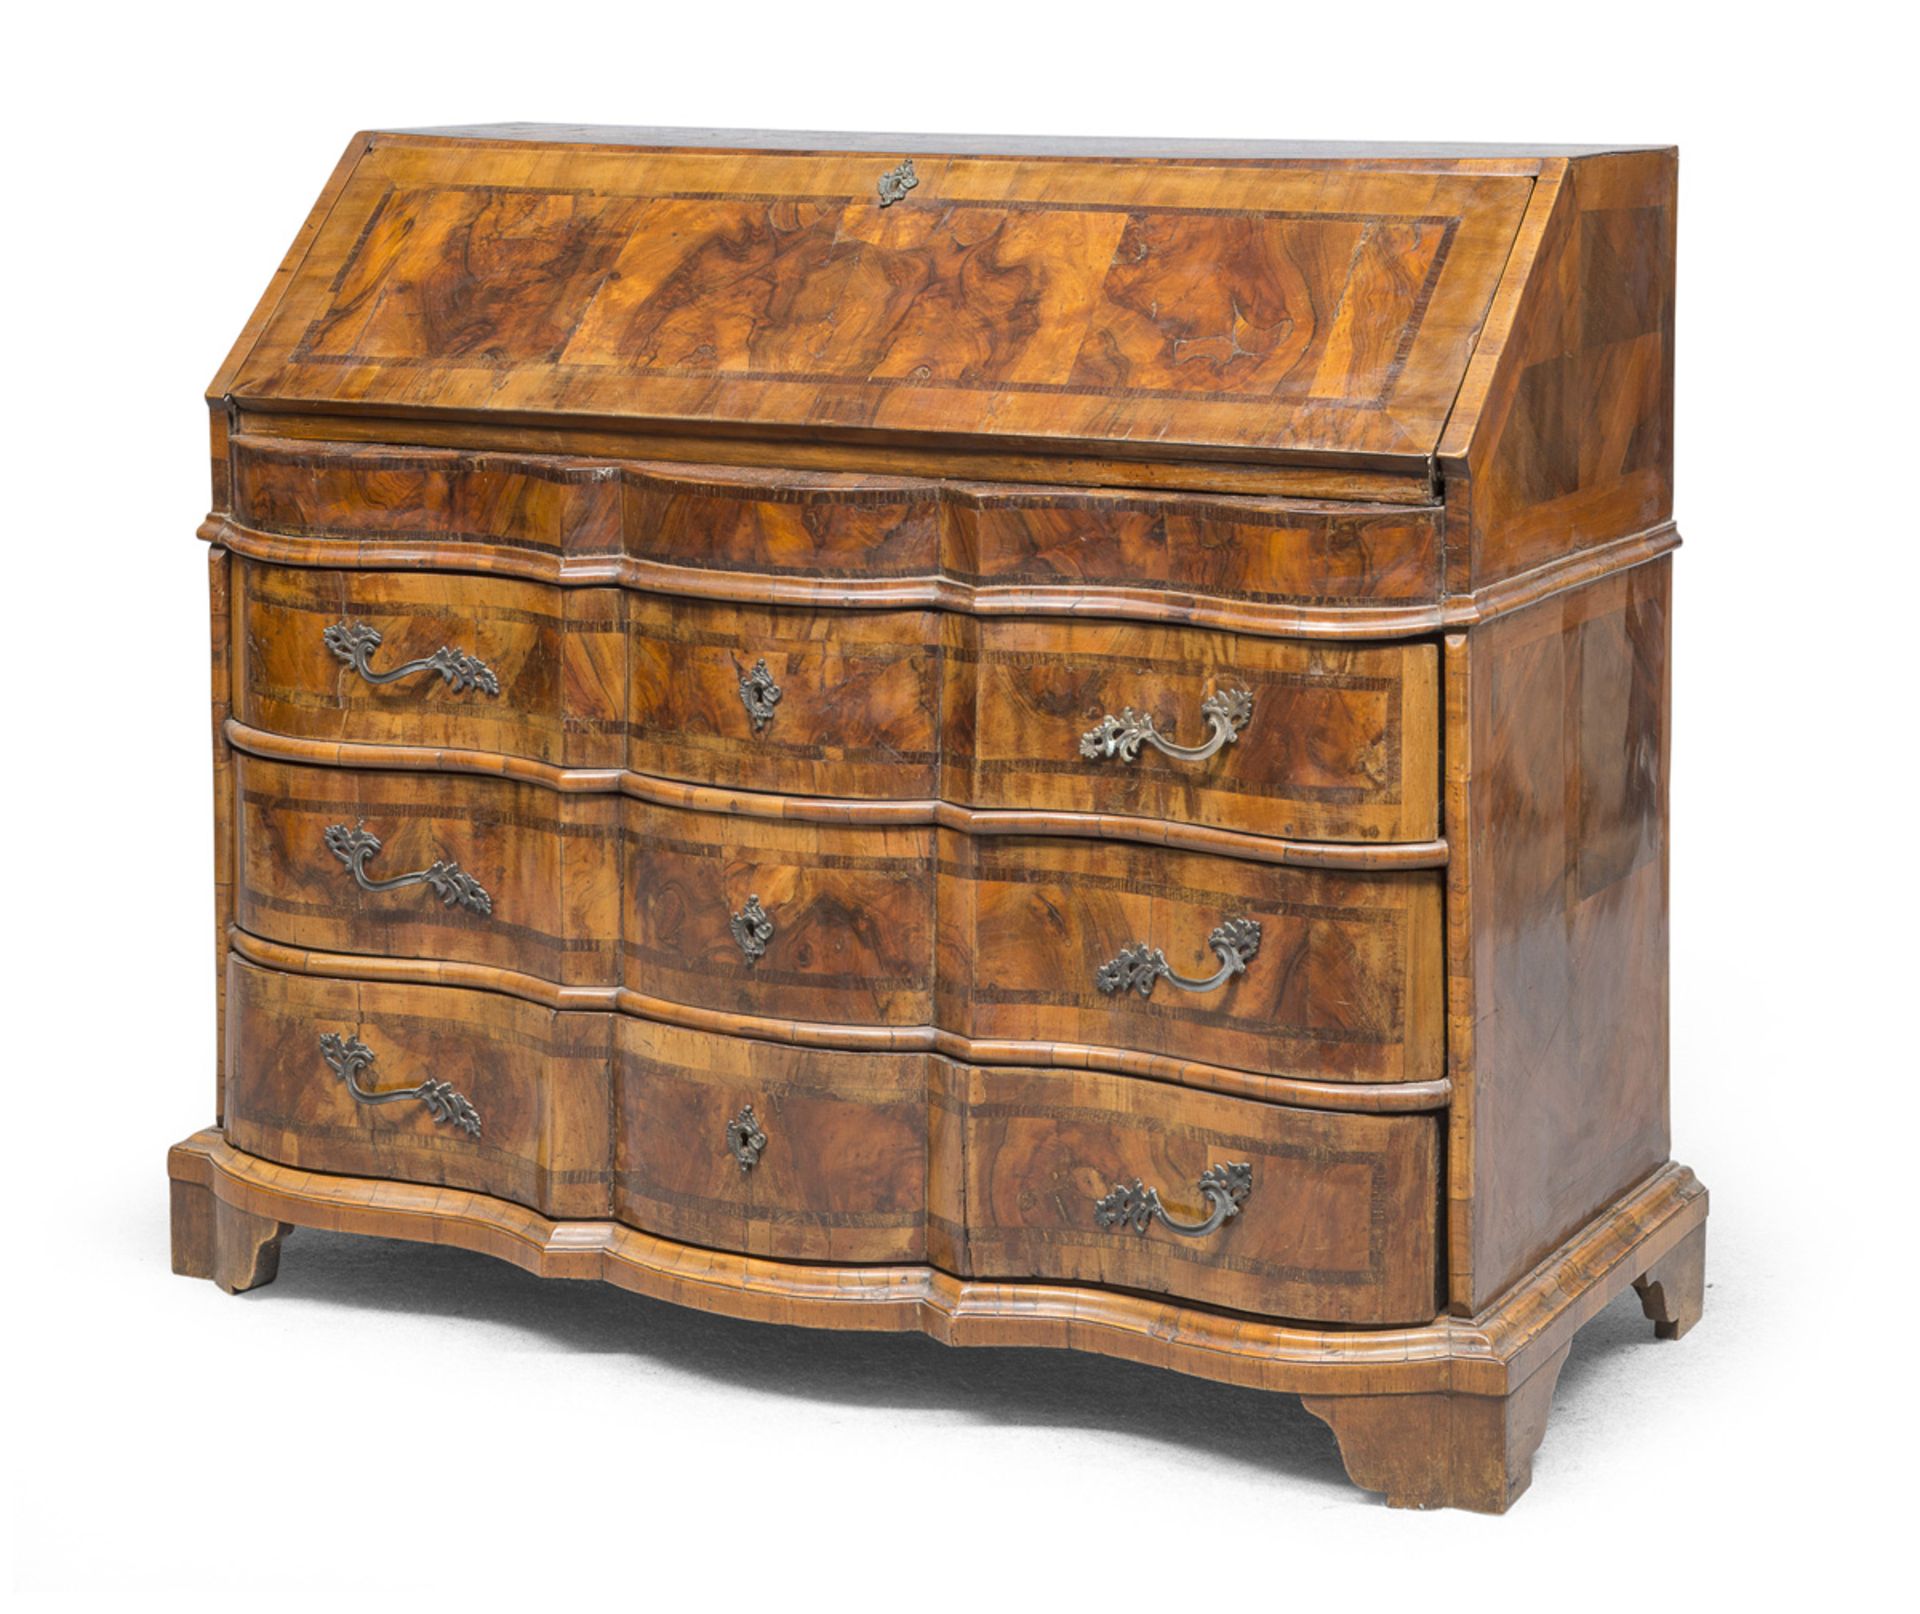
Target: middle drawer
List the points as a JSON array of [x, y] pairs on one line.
[[1329, 975]]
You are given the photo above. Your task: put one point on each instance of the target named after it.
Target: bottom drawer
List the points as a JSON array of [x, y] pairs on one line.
[[811, 1154], [1107, 1180], [467, 1089]]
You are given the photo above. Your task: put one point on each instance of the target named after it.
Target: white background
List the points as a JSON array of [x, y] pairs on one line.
[[397, 1426]]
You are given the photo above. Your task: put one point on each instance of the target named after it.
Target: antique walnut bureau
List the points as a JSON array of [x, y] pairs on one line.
[[1054, 743]]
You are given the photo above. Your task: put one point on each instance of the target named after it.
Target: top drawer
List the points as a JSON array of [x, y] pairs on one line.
[[1257, 564]]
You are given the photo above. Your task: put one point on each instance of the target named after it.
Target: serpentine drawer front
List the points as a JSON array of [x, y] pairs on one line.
[[809, 539], [1056, 743], [1333, 1219], [822, 1155], [1274, 737], [1328, 975], [531, 1084], [805, 1154]]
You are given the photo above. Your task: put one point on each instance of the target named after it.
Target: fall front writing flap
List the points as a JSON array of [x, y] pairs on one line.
[[1198, 308]]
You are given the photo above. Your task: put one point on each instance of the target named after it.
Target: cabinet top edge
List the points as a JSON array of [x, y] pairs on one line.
[[1119, 147]]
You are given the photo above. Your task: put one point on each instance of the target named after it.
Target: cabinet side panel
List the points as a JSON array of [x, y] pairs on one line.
[[1574, 446], [1567, 847], [220, 626]]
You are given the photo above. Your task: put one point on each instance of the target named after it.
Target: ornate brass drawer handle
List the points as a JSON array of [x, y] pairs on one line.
[[451, 883], [354, 642], [349, 1056], [1226, 1188], [1139, 966], [752, 929], [745, 1139], [1228, 711]]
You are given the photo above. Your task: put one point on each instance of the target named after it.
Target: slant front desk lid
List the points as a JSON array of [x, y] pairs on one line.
[[1266, 304]]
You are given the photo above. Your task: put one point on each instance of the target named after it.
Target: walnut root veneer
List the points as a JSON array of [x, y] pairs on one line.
[[1071, 752]]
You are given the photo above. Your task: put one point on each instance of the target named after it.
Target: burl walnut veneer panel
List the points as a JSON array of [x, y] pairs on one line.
[[536, 1079], [1559, 1035], [839, 1169], [853, 1157], [1346, 985], [1563, 439], [1341, 742], [851, 911], [556, 658], [1336, 742], [744, 531], [1338, 1225], [1204, 308], [528, 878]]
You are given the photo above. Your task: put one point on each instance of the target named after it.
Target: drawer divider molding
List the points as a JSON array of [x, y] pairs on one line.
[[982, 821]]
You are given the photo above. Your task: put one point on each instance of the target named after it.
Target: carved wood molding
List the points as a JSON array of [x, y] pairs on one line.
[[1430, 854], [939, 592], [926, 592], [1493, 1355]]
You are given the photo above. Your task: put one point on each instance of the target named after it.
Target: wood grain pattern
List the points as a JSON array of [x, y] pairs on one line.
[[860, 704], [1673, 1290], [1361, 1098], [843, 1175], [1564, 440], [853, 914], [600, 890], [549, 863], [1328, 622], [296, 254], [1342, 743], [861, 456], [1444, 1450], [538, 1079], [220, 634], [1346, 985], [559, 657], [1343, 1229], [1188, 308], [547, 516], [1559, 996], [1339, 1225], [1428, 854], [215, 1239]]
